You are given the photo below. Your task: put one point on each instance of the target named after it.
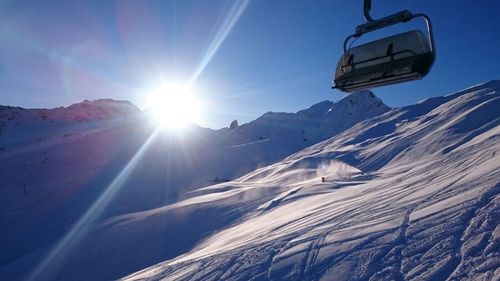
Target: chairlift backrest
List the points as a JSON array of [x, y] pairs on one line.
[[398, 58]]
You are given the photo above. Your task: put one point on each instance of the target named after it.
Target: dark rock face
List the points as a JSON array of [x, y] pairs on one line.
[[234, 125]]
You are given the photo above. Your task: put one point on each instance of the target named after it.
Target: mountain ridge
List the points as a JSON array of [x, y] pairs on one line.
[[82, 111]]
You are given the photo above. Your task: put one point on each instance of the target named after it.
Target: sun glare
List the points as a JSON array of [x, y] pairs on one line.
[[174, 105]]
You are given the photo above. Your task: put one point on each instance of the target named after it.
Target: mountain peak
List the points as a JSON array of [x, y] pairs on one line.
[[104, 103], [360, 97], [96, 109], [361, 103]]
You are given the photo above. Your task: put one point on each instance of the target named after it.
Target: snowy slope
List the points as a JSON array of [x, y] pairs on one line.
[[412, 194], [64, 171]]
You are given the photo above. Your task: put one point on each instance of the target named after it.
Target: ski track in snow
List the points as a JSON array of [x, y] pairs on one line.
[[410, 193], [249, 143]]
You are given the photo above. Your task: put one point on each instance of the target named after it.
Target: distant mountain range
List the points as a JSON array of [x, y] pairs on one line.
[[83, 111]]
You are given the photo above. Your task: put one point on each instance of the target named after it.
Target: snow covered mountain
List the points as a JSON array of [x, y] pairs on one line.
[[107, 158], [409, 193], [412, 194]]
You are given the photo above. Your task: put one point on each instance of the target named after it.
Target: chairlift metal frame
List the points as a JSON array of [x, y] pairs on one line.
[[376, 24]]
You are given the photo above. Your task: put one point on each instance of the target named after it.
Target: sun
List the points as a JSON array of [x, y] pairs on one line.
[[174, 105]]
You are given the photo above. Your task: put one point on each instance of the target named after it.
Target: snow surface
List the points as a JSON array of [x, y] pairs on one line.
[[57, 163], [410, 193]]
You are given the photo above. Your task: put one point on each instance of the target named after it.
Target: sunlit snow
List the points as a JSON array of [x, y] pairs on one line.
[[351, 190]]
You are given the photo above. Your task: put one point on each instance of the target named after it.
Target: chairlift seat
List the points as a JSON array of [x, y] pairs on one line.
[[399, 58]]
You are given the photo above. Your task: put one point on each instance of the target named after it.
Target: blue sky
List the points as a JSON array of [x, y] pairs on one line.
[[245, 57]]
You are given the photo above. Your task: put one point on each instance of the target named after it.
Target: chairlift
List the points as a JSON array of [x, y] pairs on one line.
[[398, 58]]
